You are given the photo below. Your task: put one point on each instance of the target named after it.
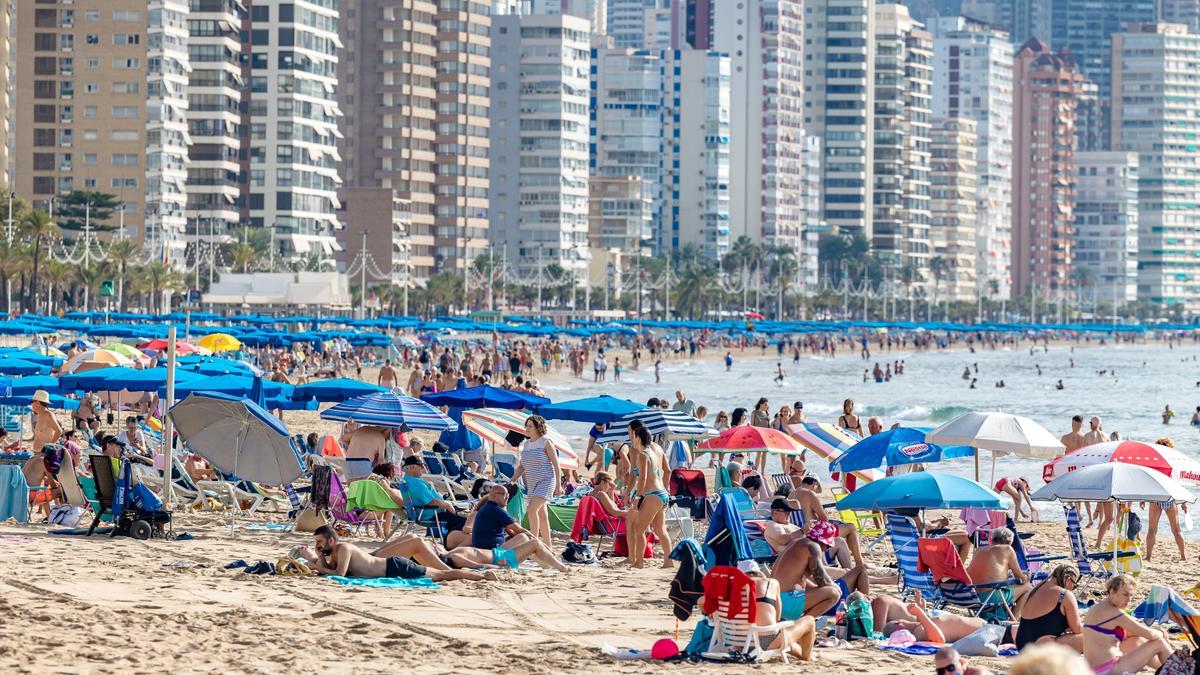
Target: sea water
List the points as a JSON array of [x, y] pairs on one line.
[[1139, 380]]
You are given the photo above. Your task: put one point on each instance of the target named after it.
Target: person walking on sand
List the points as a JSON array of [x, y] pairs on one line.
[[658, 371], [779, 374], [1171, 509], [539, 467], [649, 466]]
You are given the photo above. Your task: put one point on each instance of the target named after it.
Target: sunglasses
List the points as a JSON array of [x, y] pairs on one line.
[[942, 670]]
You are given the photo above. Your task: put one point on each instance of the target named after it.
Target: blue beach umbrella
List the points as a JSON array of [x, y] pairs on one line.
[[57, 401], [25, 386], [334, 390], [150, 379], [90, 380], [894, 447], [239, 437], [485, 396], [921, 490], [603, 409], [11, 365], [390, 409]]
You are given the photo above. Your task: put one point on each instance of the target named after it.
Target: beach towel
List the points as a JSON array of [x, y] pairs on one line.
[[931, 648], [15, 501], [688, 585], [1160, 601], [726, 542], [388, 582], [940, 557], [981, 519], [730, 584]]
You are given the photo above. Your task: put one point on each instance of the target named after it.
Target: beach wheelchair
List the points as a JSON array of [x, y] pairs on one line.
[[136, 511]]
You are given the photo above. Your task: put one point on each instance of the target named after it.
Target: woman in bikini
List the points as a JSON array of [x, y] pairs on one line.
[[1018, 489], [1051, 613], [848, 420], [801, 634], [1114, 642], [649, 467]]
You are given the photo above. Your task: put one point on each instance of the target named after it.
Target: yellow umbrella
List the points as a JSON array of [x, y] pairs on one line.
[[220, 342]]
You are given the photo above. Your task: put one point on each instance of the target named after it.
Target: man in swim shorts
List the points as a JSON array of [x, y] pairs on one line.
[[336, 558]]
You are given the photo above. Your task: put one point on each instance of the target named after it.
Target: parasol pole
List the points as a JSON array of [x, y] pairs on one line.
[[168, 427], [977, 463]]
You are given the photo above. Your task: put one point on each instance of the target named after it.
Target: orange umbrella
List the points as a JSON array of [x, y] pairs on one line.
[[752, 439]]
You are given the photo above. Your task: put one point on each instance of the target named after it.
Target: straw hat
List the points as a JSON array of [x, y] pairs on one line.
[[42, 396]]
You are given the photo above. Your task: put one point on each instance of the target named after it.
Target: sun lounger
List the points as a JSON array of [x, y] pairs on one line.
[[504, 464], [233, 495], [68, 479]]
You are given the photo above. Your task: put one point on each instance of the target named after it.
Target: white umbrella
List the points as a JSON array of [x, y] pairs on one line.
[[1114, 481], [999, 432]]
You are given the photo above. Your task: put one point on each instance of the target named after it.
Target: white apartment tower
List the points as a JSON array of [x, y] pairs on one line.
[[953, 182], [167, 137], [636, 24], [1106, 225], [765, 43], [973, 78], [539, 141], [1155, 96], [215, 119], [901, 119], [839, 106], [294, 124]]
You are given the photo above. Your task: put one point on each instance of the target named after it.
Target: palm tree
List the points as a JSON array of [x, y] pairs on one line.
[[782, 270], [1082, 277], [158, 278], [42, 231], [89, 278], [122, 252], [696, 283], [58, 277], [744, 254], [442, 290], [938, 268]]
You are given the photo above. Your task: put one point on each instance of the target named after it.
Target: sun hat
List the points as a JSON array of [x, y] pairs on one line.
[[823, 533], [42, 396], [749, 566]]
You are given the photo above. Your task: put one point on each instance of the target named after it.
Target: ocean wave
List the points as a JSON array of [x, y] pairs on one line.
[[916, 412]]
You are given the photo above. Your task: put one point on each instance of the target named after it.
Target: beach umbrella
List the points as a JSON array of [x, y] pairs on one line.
[[999, 432], [11, 365], [751, 439], [494, 424], [220, 342], [57, 401], [25, 386], [239, 437], [484, 396], [1164, 459], [669, 424], [128, 351], [160, 345], [390, 409], [830, 441], [218, 366], [920, 490], [91, 379], [232, 385], [603, 409], [97, 356], [338, 389], [149, 379], [39, 354], [461, 438], [903, 445], [1114, 481]]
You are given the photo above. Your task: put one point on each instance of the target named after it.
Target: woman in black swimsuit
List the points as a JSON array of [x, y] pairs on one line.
[[1051, 613], [848, 420]]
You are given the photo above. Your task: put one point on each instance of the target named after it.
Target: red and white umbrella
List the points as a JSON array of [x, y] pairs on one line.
[[1166, 460], [752, 439]]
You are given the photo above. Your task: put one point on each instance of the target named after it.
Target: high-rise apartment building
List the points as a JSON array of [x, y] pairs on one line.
[[1046, 88], [953, 180], [1106, 225], [1155, 96], [101, 105], [901, 120], [7, 80], [539, 141], [696, 116], [839, 105], [1186, 12], [973, 71], [218, 100], [415, 87], [294, 119], [632, 22], [594, 11], [619, 214], [765, 43], [1022, 19]]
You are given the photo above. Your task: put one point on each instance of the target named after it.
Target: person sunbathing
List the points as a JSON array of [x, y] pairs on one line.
[[892, 614], [814, 511], [801, 634], [997, 563], [1114, 642], [333, 557], [490, 525], [1051, 613], [780, 533], [801, 567]]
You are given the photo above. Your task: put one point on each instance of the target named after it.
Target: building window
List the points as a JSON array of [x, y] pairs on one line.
[[125, 111], [127, 16], [125, 64], [121, 39], [91, 15]]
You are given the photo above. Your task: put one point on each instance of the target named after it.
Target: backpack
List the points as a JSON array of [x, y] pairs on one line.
[[859, 620], [579, 554], [1182, 662]]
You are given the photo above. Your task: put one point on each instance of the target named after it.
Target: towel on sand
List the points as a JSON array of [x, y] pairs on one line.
[[423, 582]]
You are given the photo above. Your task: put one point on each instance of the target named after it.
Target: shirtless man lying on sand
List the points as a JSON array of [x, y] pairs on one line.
[[926, 625], [333, 557]]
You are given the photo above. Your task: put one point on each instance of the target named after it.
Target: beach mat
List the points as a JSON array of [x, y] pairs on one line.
[[81, 531], [423, 582], [930, 648]]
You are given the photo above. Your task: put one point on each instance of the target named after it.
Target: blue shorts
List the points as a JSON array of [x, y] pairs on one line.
[[505, 557]]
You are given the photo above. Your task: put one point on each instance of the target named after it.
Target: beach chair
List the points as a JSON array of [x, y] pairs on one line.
[[68, 480], [337, 501], [939, 558], [1026, 560], [902, 532], [421, 515], [228, 487], [356, 467], [182, 494], [753, 522], [433, 464], [688, 489], [367, 495], [735, 633], [504, 464], [1088, 572], [872, 535], [104, 477]]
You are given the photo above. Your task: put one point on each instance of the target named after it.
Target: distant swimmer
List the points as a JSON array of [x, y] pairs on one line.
[[1072, 363], [1039, 368], [976, 366], [1167, 414], [966, 373], [728, 361], [973, 381], [779, 374], [1196, 417], [1059, 385]]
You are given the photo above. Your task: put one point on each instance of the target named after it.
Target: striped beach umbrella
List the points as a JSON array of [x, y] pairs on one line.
[[390, 409], [1161, 458], [829, 441], [671, 424], [493, 424]]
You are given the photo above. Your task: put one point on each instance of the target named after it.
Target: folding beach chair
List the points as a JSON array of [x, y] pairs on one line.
[[68, 480], [231, 492], [736, 634], [1026, 560], [433, 464], [902, 532], [339, 507], [753, 523], [504, 464], [689, 490], [872, 535], [939, 557], [1084, 560], [367, 495], [421, 515]]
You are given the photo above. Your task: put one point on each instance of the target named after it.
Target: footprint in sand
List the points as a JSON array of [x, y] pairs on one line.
[[323, 613]]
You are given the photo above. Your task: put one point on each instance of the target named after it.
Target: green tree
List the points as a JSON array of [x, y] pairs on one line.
[[58, 277], [696, 285], [88, 279], [157, 278], [443, 290], [120, 254], [41, 232], [75, 208]]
